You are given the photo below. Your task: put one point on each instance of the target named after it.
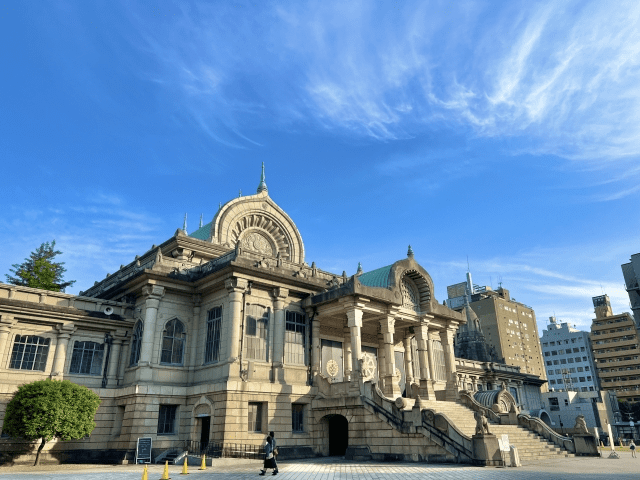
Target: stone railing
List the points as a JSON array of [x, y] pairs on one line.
[[435, 427], [538, 426], [467, 400]]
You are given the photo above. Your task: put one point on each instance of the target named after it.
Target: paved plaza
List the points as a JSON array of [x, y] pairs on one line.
[[337, 469]]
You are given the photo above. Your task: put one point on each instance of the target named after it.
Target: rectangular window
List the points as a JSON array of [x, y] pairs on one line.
[[547, 354], [576, 350], [552, 382], [295, 339], [167, 419], [30, 353], [549, 362], [563, 361], [554, 405], [255, 417], [554, 352], [581, 379], [87, 358], [552, 344], [214, 326], [256, 338], [297, 417]]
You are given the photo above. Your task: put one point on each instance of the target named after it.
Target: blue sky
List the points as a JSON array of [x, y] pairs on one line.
[[505, 132]]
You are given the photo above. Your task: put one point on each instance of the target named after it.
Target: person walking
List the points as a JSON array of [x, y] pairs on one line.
[[269, 461], [632, 447], [274, 444]]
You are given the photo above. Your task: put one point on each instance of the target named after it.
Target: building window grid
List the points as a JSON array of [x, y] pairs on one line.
[[295, 339], [173, 343], [297, 418], [87, 358], [30, 353], [255, 417], [167, 419], [257, 333], [136, 344], [212, 343]]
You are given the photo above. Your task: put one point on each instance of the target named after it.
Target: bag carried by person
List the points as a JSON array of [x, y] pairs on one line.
[[633, 446]]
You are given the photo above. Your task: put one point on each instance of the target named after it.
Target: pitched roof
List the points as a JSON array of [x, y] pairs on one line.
[[376, 278], [202, 233]]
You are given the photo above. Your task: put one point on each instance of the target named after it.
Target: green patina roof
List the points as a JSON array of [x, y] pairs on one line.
[[202, 233], [376, 278]]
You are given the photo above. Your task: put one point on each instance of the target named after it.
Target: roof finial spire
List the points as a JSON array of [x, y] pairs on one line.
[[201, 224], [359, 269], [263, 186], [410, 252], [184, 224]]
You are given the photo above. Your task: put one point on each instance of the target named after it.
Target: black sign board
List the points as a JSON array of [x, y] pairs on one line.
[[143, 450]]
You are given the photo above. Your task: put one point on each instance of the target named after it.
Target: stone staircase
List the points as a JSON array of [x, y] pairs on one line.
[[531, 446]]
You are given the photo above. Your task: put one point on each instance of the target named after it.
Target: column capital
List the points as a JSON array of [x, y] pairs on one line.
[[65, 330], [387, 324], [235, 284], [354, 317], [280, 293], [153, 292]]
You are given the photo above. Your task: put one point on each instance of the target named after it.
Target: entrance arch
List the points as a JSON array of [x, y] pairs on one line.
[[336, 435]]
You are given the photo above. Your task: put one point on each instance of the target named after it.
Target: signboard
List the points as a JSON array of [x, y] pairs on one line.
[[503, 442], [143, 450]]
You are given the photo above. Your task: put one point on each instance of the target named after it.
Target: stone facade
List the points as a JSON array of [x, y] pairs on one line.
[[223, 335]]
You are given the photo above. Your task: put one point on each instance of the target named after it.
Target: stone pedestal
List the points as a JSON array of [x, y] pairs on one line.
[[586, 444], [486, 450]]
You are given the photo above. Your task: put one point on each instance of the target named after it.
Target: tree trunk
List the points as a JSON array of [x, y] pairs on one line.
[[39, 450]]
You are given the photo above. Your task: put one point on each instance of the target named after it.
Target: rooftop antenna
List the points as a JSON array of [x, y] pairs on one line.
[[491, 281], [499, 281], [468, 268], [601, 289]]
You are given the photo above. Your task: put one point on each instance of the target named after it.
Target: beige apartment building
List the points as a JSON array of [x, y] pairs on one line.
[[508, 326], [614, 339]]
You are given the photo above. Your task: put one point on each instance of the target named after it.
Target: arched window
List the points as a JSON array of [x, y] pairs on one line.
[[136, 343], [173, 343], [410, 295]]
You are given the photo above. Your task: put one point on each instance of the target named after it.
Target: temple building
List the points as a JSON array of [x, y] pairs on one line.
[[214, 338]]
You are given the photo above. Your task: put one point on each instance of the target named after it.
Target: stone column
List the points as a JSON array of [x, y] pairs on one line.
[[447, 336], [64, 334], [426, 391], [346, 352], [315, 341], [280, 295], [354, 322], [114, 357], [124, 362], [193, 334], [391, 387], [153, 294], [382, 361], [408, 363], [236, 287], [6, 322], [474, 381]]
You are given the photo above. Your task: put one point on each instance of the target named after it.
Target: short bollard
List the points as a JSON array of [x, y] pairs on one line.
[[165, 473], [185, 470], [145, 474], [204, 463]]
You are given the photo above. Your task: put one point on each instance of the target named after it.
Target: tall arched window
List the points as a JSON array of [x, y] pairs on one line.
[[173, 343], [136, 344]]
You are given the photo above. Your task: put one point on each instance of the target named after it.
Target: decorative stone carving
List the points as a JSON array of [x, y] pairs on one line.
[[410, 295], [332, 368], [581, 425], [256, 242], [482, 426], [368, 366]]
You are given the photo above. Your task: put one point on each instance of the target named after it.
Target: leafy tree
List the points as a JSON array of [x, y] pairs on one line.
[[40, 271], [49, 409]]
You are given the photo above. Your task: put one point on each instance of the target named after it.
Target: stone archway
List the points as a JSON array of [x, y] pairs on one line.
[[544, 416], [335, 434]]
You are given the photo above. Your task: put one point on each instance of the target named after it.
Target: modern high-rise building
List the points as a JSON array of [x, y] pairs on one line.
[[568, 358], [508, 326], [614, 340], [631, 273]]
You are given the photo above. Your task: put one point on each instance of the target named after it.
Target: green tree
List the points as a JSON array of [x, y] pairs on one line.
[[49, 409], [40, 271]]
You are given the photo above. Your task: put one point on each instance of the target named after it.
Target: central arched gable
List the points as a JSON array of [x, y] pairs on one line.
[[260, 225], [410, 279]]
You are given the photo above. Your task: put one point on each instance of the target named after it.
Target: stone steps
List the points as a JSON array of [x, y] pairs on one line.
[[531, 447]]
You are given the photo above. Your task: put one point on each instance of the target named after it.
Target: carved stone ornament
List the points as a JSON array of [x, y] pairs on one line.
[[368, 366], [332, 368], [256, 242]]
